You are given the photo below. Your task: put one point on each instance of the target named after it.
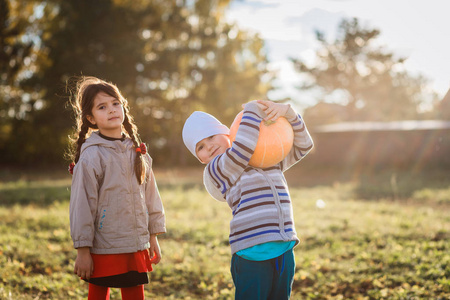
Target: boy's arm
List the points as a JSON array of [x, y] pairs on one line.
[[303, 142], [225, 169]]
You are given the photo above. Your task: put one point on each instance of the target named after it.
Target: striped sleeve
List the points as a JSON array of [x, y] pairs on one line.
[[303, 142], [225, 169]]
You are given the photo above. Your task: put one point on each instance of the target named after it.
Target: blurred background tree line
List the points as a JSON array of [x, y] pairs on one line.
[[169, 58]]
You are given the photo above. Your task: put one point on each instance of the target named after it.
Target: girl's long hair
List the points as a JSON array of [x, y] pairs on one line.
[[86, 89]]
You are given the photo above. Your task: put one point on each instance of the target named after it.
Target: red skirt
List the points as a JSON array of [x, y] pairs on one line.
[[121, 270]]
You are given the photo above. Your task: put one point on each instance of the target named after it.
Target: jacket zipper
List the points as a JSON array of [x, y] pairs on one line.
[[277, 204], [130, 189]]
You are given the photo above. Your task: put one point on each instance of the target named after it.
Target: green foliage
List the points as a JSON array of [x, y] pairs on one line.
[[168, 58], [15, 50], [350, 249], [15, 60], [40, 193]]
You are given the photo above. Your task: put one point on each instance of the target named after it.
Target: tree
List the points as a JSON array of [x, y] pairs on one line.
[[15, 57], [373, 80], [167, 57]]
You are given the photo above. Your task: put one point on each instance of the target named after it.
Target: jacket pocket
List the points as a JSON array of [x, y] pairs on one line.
[[105, 215]]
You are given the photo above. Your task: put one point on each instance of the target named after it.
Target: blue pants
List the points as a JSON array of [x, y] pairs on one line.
[[263, 280]]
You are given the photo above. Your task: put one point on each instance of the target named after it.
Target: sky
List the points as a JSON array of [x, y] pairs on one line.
[[416, 29]]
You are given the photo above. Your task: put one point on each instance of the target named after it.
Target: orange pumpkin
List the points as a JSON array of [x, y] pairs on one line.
[[274, 143]]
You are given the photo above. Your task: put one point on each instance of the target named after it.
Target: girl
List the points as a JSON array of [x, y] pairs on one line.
[[115, 208]]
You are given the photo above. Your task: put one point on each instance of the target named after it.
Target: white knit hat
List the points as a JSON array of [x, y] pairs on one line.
[[201, 125]]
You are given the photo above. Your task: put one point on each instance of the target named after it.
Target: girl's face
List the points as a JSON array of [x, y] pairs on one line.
[[108, 115], [210, 147]]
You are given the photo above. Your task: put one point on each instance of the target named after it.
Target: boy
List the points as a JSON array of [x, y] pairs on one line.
[[262, 232]]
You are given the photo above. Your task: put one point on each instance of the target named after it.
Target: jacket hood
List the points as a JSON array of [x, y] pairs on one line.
[[96, 140]]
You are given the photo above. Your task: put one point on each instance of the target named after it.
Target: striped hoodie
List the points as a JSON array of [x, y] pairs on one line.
[[259, 198]]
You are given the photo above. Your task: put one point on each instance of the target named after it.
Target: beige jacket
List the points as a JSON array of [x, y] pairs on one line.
[[109, 211]]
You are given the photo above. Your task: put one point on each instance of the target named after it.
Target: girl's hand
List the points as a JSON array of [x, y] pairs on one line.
[[273, 110], [84, 266], [155, 250]]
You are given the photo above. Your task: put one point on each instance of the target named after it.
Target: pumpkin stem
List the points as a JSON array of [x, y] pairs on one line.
[[269, 122]]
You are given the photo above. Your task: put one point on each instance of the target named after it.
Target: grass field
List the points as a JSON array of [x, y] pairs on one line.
[[384, 236]]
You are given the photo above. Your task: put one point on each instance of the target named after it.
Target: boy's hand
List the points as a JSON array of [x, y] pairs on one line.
[[155, 250], [84, 266], [256, 102], [273, 110]]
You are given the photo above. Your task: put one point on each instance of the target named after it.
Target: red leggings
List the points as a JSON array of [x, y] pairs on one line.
[[97, 292]]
